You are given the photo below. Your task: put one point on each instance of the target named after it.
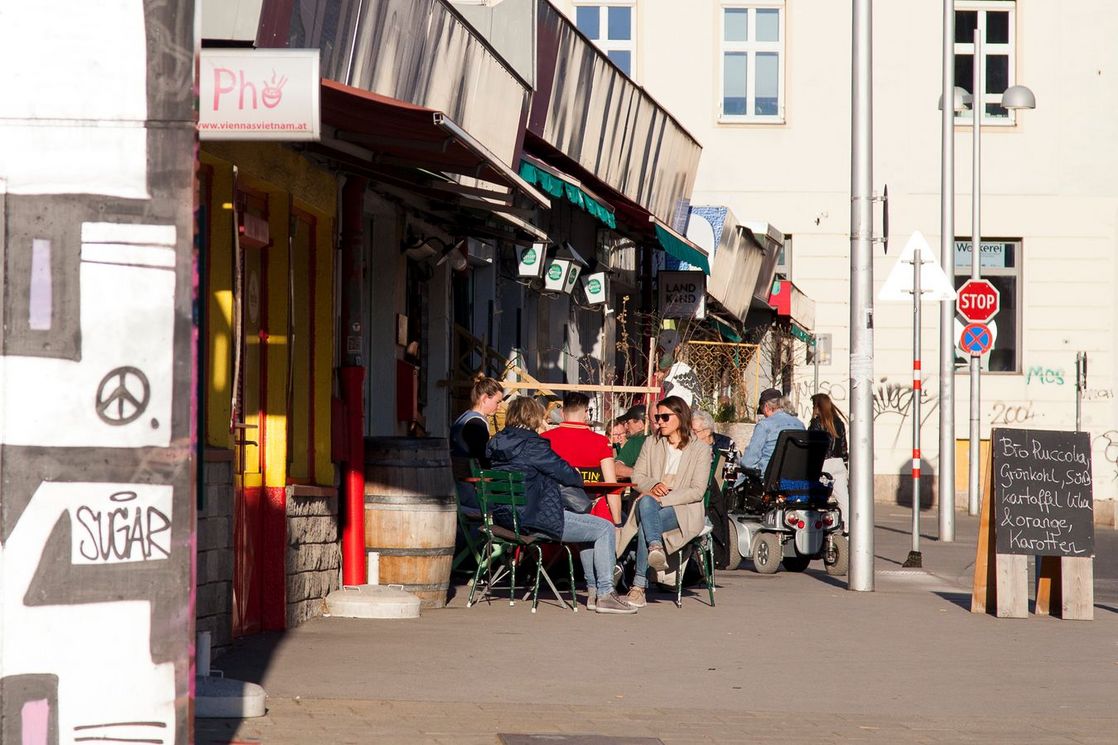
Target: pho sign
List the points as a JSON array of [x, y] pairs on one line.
[[683, 294], [259, 94]]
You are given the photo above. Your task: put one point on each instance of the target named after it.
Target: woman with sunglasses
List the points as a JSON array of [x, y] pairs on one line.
[[671, 475]]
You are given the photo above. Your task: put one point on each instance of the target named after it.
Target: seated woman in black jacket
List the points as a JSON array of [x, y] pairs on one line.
[[519, 447]]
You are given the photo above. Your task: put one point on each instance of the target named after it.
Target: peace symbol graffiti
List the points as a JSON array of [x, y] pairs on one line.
[[122, 396]]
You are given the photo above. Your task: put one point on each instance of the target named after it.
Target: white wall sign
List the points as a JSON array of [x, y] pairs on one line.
[[683, 294], [259, 94]]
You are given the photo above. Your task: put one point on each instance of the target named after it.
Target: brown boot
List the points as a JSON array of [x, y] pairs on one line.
[[636, 597]]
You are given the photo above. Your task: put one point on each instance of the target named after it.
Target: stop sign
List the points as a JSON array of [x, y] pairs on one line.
[[978, 300]]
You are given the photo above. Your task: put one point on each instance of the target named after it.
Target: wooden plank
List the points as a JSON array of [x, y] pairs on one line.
[[984, 590], [1012, 585], [1048, 585], [1077, 589]]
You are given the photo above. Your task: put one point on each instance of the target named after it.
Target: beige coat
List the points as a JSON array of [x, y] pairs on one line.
[[686, 496]]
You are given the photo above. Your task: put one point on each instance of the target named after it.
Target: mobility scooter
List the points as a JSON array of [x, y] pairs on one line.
[[786, 516]]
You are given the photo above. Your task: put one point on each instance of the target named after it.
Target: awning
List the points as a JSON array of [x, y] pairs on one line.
[[558, 184], [681, 248], [403, 134]]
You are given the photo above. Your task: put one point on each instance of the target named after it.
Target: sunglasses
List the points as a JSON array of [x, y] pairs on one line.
[[662, 417]]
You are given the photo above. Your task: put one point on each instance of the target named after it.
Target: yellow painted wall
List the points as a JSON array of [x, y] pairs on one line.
[[290, 182]]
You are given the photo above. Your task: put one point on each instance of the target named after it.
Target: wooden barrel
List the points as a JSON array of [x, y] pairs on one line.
[[411, 514]]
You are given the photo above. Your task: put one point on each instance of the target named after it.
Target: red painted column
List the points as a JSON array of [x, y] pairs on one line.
[[352, 379], [354, 567]]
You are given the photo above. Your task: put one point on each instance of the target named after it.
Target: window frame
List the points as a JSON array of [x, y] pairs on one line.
[[1008, 49], [962, 274], [752, 48], [604, 43]]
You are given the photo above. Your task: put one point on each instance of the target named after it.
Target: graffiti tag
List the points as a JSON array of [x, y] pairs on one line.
[[1044, 375], [1007, 413], [129, 525]]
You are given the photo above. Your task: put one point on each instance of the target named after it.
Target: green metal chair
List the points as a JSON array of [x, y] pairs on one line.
[[505, 547], [701, 547], [469, 521]]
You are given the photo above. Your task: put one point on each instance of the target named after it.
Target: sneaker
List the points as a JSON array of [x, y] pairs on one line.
[[592, 599], [657, 559], [613, 604], [636, 597]]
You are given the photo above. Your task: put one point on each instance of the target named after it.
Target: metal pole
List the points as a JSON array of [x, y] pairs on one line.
[[977, 109], [914, 559], [815, 359], [861, 300], [947, 307], [1080, 384]]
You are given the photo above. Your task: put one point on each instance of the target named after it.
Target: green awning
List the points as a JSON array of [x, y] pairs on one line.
[[803, 335], [573, 193], [681, 249], [727, 332]]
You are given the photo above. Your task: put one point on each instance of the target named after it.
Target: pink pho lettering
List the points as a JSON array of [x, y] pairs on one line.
[[273, 91], [237, 83], [219, 87]]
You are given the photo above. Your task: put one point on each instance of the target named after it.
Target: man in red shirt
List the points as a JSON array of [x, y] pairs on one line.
[[589, 452]]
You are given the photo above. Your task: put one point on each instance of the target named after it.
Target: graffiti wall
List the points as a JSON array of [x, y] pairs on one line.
[[1041, 397], [96, 354]]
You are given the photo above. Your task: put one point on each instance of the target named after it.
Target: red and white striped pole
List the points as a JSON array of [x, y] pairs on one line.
[[914, 558]]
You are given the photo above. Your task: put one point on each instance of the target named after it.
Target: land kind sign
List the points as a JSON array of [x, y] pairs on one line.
[[683, 294], [259, 94]]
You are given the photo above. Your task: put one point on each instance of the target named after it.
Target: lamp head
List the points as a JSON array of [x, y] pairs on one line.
[[962, 100], [1018, 97]]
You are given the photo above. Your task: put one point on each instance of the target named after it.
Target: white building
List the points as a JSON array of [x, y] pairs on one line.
[[765, 88]]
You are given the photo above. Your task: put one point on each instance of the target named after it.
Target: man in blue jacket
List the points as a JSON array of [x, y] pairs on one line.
[[774, 420]]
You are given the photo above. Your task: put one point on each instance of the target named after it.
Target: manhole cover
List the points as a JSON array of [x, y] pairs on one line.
[[576, 740]]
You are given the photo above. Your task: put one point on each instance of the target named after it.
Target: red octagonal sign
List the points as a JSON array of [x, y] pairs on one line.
[[978, 300]]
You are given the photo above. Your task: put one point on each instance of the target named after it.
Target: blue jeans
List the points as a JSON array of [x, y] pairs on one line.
[[652, 521], [597, 559]]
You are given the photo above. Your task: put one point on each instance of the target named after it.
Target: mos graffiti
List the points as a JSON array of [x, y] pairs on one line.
[[1044, 375]]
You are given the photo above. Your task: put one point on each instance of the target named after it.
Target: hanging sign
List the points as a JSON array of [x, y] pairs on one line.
[[595, 287], [259, 94], [683, 294], [530, 260]]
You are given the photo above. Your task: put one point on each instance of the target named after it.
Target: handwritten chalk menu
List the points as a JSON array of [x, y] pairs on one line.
[[1043, 503]]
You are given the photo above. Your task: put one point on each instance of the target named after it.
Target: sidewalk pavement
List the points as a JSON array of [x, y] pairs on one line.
[[786, 658]]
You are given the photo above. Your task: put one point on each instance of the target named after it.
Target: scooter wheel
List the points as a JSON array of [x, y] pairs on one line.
[[732, 536], [766, 553], [836, 556]]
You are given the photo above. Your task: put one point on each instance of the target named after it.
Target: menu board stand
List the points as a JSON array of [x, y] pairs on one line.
[[1065, 584]]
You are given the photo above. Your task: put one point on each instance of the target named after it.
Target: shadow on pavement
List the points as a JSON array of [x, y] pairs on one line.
[[925, 536], [961, 599]]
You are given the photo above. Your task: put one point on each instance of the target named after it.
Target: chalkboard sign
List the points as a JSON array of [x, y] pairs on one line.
[[1043, 503]]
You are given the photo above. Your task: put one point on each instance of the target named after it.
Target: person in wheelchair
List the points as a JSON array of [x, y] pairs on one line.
[[774, 420], [671, 476]]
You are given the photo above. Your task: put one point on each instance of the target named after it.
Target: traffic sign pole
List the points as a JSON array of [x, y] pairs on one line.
[[978, 112], [914, 558]]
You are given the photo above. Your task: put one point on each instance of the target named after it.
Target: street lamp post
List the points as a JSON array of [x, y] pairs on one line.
[[1015, 97]]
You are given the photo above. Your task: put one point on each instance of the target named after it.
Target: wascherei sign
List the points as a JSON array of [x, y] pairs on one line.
[[259, 94]]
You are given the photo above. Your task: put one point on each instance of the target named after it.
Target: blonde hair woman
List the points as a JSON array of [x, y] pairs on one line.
[[519, 447]]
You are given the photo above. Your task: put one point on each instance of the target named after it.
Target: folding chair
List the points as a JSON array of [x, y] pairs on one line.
[[701, 547], [469, 521], [506, 489]]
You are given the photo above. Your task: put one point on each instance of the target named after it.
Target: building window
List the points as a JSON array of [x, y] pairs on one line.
[[611, 26], [752, 50], [995, 20], [1000, 262], [784, 259]]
